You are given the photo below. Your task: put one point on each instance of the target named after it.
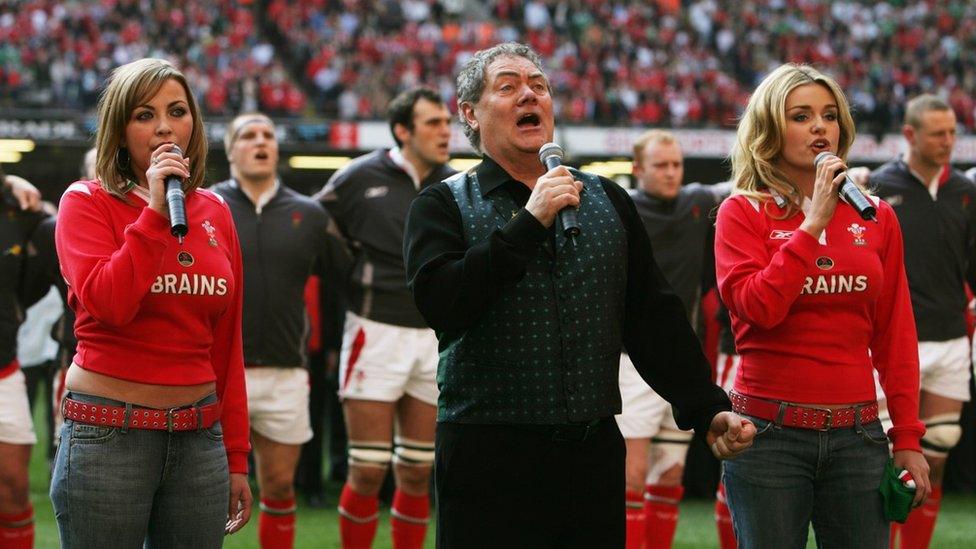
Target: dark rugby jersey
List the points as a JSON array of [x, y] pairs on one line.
[[281, 244], [16, 227], [43, 272], [679, 233], [369, 200], [940, 244]]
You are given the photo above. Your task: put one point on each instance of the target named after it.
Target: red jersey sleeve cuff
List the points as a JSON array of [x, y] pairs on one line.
[[803, 244], [237, 462], [151, 224], [905, 440]]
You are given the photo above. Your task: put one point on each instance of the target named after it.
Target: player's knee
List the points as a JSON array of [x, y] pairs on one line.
[[942, 433], [668, 460], [413, 460], [636, 478], [366, 480], [278, 487], [368, 462], [672, 476], [13, 491], [413, 479]]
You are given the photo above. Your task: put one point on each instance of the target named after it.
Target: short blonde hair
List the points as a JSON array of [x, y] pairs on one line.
[[759, 138], [921, 105], [651, 136], [128, 87], [230, 135]]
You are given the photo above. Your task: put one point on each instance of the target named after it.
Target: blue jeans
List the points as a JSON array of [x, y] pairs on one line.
[[129, 488], [790, 477]]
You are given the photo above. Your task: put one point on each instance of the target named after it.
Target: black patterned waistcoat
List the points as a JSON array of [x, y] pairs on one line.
[[547, 351]]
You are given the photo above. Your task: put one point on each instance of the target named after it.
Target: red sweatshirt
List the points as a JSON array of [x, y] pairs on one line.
[[151, 311], [812, 317]]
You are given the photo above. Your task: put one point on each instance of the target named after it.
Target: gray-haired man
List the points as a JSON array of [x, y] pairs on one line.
[[531, 327]]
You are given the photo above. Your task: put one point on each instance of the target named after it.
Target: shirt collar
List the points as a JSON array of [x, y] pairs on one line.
[[491, 176], [937, 181], [265, 197], [658, 200], [396, 155], [805, 204]]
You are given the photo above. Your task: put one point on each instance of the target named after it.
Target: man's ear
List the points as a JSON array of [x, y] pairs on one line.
[[908, 131], [467, 111], [401, 132]]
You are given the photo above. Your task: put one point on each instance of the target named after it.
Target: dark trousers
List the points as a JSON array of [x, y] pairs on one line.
[[308, 475], [511, 486], [960, 473], [702, 471], [36, 377], [327, 421]]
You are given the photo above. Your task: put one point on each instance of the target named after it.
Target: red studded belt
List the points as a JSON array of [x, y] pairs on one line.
[[803, 417], [187, 418]]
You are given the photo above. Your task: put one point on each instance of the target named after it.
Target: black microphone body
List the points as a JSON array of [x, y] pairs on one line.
[[551, 156], [176, 202], [851, 193]]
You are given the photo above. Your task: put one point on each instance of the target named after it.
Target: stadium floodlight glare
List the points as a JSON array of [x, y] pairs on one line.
[[318, 162], [9, 157], [17, 145], [464, 164], [609, 168]]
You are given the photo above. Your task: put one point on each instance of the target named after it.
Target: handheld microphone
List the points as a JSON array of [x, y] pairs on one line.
[[176, 202], [851, 193], [551, 155]]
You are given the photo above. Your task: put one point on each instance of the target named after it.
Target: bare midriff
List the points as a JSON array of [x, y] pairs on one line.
[[148, 395]]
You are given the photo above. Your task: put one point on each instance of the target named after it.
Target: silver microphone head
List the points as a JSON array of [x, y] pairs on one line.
[[822, 156], [549, 150]]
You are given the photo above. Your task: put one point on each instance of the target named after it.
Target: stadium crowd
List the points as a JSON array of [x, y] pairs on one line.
[[57, 54], [629, 62]]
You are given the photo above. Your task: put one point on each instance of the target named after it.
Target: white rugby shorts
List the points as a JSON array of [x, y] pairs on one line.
[[944, 367], [277, 403], [383, 362], [16, 425], [645, 413]]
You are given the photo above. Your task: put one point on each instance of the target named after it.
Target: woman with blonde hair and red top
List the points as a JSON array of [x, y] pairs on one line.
[[155, 440], [818, 299]]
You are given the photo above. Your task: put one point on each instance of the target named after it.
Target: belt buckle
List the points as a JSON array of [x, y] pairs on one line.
[[169, 419], [586, 432], [828, 420]]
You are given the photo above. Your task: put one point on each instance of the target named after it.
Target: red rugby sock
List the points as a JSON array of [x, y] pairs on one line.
[[357, 519], [894, 534], [408, 520], [661, 508], [916, 533], [636, 523], [723, 520], [276, 524], [17, 529]]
